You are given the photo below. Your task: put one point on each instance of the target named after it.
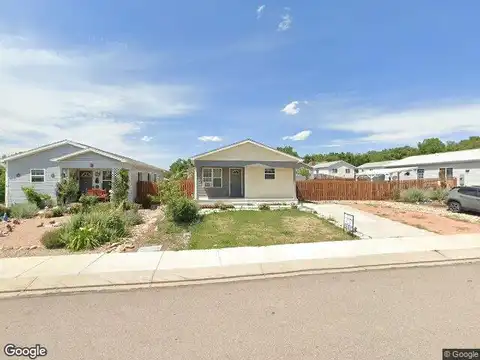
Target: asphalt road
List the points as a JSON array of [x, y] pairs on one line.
[[384, 314]]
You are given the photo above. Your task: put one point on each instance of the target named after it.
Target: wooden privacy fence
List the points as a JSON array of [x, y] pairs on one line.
[[320, 190], [145, 188]]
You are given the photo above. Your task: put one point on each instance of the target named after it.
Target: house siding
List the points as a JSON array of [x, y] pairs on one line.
[[257, 187], [19, 172], [246, 152]]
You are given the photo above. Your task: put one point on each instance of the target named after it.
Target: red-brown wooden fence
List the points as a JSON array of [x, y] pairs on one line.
[[320, 190]]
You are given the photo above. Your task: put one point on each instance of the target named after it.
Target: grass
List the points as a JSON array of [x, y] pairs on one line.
[[260, 228]]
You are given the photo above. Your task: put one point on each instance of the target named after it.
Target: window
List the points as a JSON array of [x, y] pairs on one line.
[[107, 180], [469, 192], [148, 177], [334, 171], [212, 177], [347, 171], [420, 173], [37, 175], [269, 174], [446, 173], [140, 176], [155, 177]]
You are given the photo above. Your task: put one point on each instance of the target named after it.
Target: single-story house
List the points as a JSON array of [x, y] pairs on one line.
[[246, 171], [43, 167], [339, 168], [381, 171], [463, 165]]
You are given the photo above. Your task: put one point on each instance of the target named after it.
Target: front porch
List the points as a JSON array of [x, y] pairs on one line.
[[91, 179]]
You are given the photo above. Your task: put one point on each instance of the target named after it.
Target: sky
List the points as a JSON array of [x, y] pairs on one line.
[[160, 80]]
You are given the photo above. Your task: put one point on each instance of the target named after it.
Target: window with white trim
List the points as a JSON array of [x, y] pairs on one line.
[[334, 171], [420, 173], [347, 171], [269, 174], [212, 177], [446, 172], [37, 175]]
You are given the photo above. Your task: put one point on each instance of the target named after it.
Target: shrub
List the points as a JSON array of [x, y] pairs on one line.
[[437, 194], [74, 208], [413, 195], [24, 211], [223, 206], [133, 217], [168, 191], [396, 194], [294, 206], [183, 210], [147, 202], [58, 211], [88, 201], [5, 210], [263, 207], [132, 206], [87, 230], [48, 214], [67, 191], [53, 239], [34, 197]]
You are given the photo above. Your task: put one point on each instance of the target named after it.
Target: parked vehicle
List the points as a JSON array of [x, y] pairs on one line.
[[464, 198]]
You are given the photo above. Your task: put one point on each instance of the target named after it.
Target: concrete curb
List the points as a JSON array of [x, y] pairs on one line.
[[121, 281]]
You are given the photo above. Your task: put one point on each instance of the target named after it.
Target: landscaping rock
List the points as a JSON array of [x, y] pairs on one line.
[[9, 227], [40, 225], [33, 247], [129, 246], [120, 248], [52, 222], [16, 221]]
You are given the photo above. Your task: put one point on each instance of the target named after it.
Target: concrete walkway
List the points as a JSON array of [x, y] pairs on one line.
[[368, 225], [20, 275]]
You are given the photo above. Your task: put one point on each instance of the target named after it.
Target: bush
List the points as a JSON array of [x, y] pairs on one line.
[[83, 238], [168, 191], [223, 206], [74, 208], [132, 206], [263, 207], [48, 214], [147, 202], [5, 210], [294, 206], [437, 194], [53, 239], [413, 195], [396, 195], [88, 201], [120, 187], [133, 217], [183, 210], [24, 211], [67, 191], [34, 197], [58, 211]]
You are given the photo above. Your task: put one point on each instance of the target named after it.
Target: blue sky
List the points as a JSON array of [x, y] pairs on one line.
[[159, 80]]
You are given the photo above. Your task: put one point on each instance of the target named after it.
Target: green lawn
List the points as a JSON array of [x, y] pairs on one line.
[[259, 228]]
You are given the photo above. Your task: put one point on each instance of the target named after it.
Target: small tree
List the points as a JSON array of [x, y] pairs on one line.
[[304, 172], [67, 190], [120, 187]]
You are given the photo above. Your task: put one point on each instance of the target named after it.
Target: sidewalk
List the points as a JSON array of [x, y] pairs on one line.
[[56, 273], [368, 225]]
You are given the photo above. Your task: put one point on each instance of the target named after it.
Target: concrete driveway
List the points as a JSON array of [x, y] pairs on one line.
[[369, 225]]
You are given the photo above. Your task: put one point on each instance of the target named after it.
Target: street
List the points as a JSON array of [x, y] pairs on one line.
[[409, 313]]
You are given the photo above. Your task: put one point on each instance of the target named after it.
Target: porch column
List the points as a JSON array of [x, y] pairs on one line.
[[195, 184]]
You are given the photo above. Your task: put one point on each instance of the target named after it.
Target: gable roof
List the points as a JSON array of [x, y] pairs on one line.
[[84, 149], [246, 141], [438, 158], [375, 164], [323, 165]]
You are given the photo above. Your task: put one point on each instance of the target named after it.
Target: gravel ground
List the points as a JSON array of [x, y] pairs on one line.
[[435, 209]]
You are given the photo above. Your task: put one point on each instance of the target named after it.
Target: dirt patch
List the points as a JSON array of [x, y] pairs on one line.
[[431, 222], [300, 224]]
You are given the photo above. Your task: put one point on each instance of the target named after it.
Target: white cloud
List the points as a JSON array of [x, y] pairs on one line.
[[302, 135], [147, 138], [409, 125], [52, 94], [260, 11], [286, 22], [291, 108], [210, 138]]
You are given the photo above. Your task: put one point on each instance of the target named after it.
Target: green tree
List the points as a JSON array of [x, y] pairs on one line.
[[181, 169], [120, 188], [431, 146], [2, 184], [288, 150], [304, 172]]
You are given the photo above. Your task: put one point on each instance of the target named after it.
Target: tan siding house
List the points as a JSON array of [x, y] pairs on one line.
[[246, 171]]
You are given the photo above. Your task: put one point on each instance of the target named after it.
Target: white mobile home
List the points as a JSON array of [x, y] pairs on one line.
[[463, 165], [339, 168]]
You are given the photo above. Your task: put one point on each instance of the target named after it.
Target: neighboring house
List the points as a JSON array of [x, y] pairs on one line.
[[45, 166], [463, 165], [338, 168], [246, 170]]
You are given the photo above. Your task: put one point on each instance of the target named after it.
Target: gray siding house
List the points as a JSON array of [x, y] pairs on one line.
[[45, 166]]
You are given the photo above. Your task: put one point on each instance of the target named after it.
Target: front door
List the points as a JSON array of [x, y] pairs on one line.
[[235, 182], [85, 181]]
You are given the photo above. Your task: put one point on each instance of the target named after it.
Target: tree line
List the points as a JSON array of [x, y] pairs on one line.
[[427, 146]]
